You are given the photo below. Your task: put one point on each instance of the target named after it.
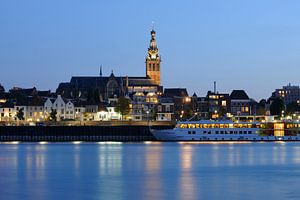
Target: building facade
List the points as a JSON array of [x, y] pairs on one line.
[[289, 93]]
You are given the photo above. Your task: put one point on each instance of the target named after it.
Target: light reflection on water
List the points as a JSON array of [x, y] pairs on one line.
[[150, 171]]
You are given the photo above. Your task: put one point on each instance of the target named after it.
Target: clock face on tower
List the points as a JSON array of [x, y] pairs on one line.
[[153, 56]]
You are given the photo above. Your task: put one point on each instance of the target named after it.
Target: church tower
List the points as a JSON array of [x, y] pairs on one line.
[[153, 60]]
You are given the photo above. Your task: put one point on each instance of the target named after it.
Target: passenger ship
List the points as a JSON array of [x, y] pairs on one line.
[[207, 130]]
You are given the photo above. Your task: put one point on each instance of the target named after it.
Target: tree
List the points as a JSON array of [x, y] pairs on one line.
[[53, 116], [277, 106], [122, 106], [20, 114], [261, 107], [292, 107]]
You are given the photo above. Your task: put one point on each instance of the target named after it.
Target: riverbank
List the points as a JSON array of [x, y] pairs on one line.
[[122, 133]]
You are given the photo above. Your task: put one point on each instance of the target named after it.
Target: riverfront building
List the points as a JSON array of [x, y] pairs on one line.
[[289, 93]]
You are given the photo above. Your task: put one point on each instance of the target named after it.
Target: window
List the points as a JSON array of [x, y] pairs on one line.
[[249, 132], [168, 108], [217, 132], [159, 108], [222, 132], [223, 103]]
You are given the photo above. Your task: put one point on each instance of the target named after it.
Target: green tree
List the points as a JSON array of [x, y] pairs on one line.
[[122, 106], [20, 114], [277, 106], [53, 116], [292, 108], [261, 107]]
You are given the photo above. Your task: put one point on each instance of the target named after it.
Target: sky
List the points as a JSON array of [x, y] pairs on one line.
[[251, 44]]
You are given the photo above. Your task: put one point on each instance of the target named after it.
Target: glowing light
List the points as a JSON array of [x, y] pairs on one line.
[[43, 142], [77, 142], [110, 142]]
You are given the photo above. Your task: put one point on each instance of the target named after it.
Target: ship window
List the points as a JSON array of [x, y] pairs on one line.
[[209, 132], [204, 131], [189, 132], [194, 132], [222, 132], [245, 132], [217, 132], [240, 132], [231, 132], [249, 132], [226, 132]]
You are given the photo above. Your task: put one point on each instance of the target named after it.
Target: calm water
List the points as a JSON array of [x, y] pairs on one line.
[[150, 171]]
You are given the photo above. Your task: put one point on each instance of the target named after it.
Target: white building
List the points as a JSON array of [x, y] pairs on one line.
[[7, 112], [70, 110], [63, 110]]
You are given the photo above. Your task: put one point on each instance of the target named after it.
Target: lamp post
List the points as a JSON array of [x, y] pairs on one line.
[[147, 117]]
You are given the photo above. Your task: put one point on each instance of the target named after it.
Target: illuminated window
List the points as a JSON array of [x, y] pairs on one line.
[[223, 103]]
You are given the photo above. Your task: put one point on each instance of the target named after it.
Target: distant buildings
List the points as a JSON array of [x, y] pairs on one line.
[[94, 98], [289, 94], [240, 103]]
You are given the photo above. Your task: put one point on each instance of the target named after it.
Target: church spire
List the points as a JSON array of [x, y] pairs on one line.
[[153, 45], [100, 70]]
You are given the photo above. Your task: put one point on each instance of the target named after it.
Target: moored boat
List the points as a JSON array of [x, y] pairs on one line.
[[207, 130]]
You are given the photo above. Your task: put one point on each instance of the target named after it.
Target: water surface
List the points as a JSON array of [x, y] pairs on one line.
[[150, 171]]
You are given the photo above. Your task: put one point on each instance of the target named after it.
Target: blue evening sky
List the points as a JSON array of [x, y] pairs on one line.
[[242, 44]]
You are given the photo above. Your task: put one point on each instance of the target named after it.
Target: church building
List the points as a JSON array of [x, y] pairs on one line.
[[101, 88]]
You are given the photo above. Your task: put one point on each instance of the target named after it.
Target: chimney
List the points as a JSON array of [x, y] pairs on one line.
[[215, 87]]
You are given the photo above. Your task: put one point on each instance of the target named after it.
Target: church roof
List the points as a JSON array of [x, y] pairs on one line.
[[140, 81], [173, 92]]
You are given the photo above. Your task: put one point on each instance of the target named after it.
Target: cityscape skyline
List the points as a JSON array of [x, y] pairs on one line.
[[252, 47]]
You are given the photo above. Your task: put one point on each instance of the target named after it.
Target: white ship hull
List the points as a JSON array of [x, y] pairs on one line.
[[182, 135]]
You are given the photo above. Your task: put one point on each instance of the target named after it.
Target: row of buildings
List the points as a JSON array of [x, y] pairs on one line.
[[94, 98], [168, 105]]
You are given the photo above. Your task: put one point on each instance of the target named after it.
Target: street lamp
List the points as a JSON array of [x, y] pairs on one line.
[[147, 117]]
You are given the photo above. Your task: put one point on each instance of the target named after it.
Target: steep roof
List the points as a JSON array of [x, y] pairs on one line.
[[7, 104], [179, 92], [140, 81], [26, 92], [239, 95], [2, 90]]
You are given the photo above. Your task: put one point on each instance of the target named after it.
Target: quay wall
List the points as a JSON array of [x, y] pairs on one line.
[[122, 133]]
